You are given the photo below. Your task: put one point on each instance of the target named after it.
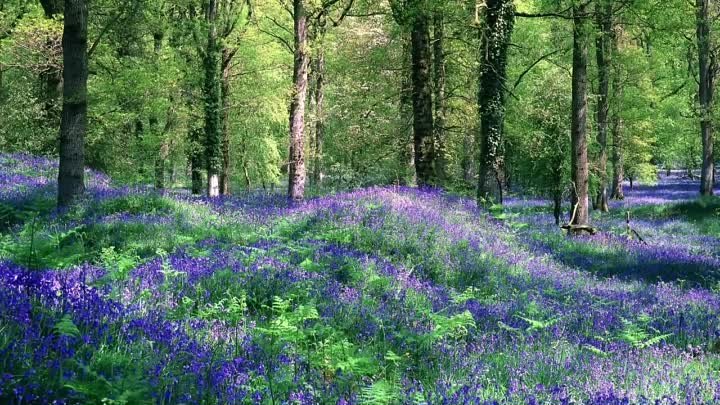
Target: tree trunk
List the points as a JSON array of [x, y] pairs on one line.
[[557, 206], [71, 175], [467, 161], [578, 131], [211, 90], [705, 95], [499, 20], [296, 164], [164, 149], [227, 56], [618, 159], [51, 78], [161, 153], [440, 101], [243, 158], [422, 98], [618, 140], [159, 172], [319, 72], [196, 160], [407, 148], [603, 49]]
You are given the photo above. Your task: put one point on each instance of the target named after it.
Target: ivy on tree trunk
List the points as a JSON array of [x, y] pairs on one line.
[[496, 34], [211, 93]]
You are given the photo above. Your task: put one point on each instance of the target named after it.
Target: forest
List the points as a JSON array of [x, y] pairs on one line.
[[371, 202]]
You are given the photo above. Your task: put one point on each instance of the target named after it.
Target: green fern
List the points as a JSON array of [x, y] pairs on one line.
[[454, 327], [640, 334], [594, 350], [66, 327], [515, 331], [537, 325], [379, 393]]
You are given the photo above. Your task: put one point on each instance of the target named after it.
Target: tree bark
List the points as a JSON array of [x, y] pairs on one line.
[[162, 151], [319, 72], [705, 95], [422, 97], [51, 78], [439, 71], [71, 174], [578, 131], [618, 140], [499, 20], [603, 56], [164, 148], [618, 160], [196, 160], [557, 206], [296, 164], [406, 147], [467, 161], [227, 56], [160, 171], [211, 92]]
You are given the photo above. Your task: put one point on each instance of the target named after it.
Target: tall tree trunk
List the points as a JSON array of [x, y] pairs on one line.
[[244, 160], [467, 161], [422, 97], [164, 148], [161, 152], [227, 56], [440, 101], [557, 206], [211, 90], [578, 129], [618, 152], [705, 94], [407, 147], [71, 175], [51, 78], [319, 72], [160, 169], [196, 160], [499, 20], [618, 159], [296, 164], [603, 49]]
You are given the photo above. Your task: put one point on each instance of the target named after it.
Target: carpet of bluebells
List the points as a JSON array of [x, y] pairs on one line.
[[374, 296]]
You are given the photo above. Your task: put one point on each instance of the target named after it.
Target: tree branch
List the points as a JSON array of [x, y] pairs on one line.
[[540, 59]]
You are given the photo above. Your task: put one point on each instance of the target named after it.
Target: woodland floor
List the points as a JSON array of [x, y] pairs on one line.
[[374, 296]]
